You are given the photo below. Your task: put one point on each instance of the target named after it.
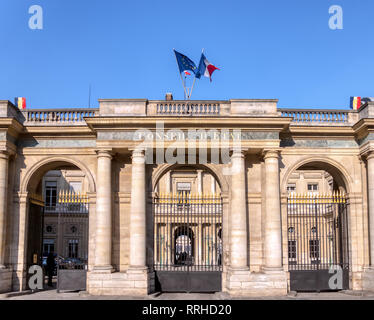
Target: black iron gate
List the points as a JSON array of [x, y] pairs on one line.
[[69, 231], [318, 242], [188, 242]]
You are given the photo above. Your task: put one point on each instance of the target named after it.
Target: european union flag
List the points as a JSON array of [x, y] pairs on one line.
[[184, 63]]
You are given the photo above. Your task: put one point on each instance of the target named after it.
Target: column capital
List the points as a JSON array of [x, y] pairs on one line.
[[272, 153], [4, 154], [238, 152], [108, 153], [137, 153], [370, 155]]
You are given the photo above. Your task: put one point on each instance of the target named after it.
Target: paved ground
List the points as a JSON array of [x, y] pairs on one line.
[[53, 295]]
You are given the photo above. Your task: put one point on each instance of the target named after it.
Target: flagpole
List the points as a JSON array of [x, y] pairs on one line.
[[185, 78], [192, 87], [184, 87], [202, 51]]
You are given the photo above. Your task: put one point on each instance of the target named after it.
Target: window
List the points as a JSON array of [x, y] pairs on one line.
[[184, 190], [50, 194], [314, 249], [291, 187], [313, 187], [48, 246], [292, 249], [73, 248]]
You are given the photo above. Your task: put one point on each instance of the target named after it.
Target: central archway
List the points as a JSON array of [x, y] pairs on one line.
[[187, 217]]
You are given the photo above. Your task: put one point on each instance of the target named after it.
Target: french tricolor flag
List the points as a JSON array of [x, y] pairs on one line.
[[205, 68], [20, 103]]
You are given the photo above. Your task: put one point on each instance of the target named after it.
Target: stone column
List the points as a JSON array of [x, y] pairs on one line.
[[138, 212], [213, 184], [3, 204], [199, 181], [238, 213], [103, 250], [167, 182], [370, 170], [273, 245]]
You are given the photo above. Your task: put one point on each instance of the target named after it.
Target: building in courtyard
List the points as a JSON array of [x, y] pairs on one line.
[[239, 196]]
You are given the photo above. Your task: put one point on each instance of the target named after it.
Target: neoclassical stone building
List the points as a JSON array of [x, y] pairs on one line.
[[222, 222]]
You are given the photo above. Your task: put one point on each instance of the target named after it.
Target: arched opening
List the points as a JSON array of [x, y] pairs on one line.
[[183, 246], [58, 220], [187, 211], [317, 226]]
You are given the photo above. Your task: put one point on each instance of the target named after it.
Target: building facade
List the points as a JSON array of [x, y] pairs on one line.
[[237, 196]]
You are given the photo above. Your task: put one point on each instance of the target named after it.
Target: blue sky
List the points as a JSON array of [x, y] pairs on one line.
[[265, 49]]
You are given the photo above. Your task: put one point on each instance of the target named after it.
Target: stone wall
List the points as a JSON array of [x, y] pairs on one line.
[[5, 280], [131, 282]]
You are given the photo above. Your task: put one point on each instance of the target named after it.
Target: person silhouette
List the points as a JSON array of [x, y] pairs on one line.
[[50, 267]]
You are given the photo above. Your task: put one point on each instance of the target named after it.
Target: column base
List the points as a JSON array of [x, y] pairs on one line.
[[271, 269], [246, 283], [368, 279], [5, 280], [134, 281], [103, 269]]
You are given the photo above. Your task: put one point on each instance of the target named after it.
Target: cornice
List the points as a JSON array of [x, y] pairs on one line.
[[363, 127], [318, 130], [12, 126], [248, 123]]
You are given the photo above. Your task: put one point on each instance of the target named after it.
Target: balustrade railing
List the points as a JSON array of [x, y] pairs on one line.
[[310, 116], [58, 116], [183, 108], [188, 109]]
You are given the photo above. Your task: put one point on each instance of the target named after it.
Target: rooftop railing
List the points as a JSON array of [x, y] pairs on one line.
[[319, 117], [184, 108], [58, 116], [195, 109]]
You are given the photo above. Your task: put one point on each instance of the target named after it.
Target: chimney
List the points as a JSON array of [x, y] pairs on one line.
[[169, 96]]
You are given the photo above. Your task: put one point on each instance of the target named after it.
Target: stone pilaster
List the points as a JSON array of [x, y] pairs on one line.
[[4, 162], [5, 274], [368, 275], [238, 213], [199, 181], [273, 232], [168, 182], [103, 247], [370, 179]]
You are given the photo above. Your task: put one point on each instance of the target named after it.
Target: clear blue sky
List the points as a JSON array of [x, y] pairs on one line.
[[265, 49]]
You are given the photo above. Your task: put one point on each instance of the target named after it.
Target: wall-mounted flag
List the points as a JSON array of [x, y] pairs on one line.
[[205, 69], [355, 103], [20, 103]]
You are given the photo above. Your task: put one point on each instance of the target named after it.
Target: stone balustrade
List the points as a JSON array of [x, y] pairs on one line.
[[320, 117], [185, 108], [57, 116]]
